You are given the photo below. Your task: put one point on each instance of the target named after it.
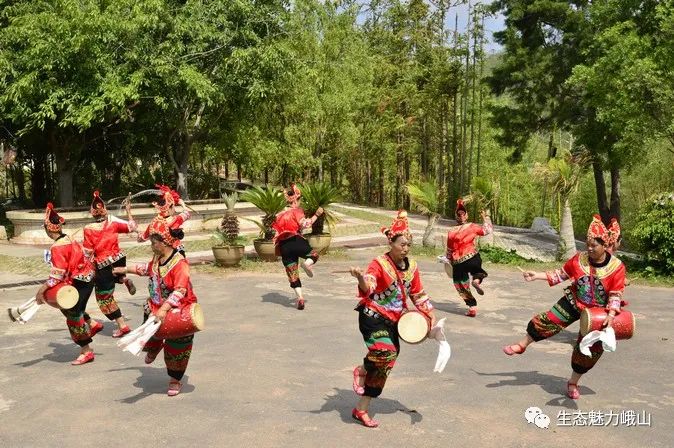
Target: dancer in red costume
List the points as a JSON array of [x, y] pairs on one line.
[[170, 287], [290, 243], [166, 216], [69, 266], [464, 257], [384, 288], [101, 244], [598, 280]]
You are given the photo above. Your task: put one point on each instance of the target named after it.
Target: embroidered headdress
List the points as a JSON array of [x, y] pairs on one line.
[[399, 226], [460, 206], [597, 229], [98, 206], [613, 232], [170, 198], [292, 194], [52, 221]]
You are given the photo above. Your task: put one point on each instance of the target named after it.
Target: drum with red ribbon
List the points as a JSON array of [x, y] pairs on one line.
[[181, 322], [592, 318]]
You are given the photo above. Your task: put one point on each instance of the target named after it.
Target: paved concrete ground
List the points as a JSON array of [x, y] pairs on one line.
[[266, 375]]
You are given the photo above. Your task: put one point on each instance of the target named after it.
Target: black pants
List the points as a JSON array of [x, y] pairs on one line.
[[105, 289], [291, 250], [76, 316], [460, 276]]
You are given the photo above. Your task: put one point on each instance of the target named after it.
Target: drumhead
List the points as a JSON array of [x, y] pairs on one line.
[[413, 327], [67, 297], [197, 317]]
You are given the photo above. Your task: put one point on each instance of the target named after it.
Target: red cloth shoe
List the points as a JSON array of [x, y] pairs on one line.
[[174, 388], [572, 391], [471, 312], [95, 328], [508, 349], [118, 333], [477, 284], [358, 415], [83, 359], [130, 286], [300, 304], [357, 388], [150, 357]]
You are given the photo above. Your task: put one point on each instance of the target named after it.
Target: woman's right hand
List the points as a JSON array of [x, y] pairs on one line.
[[356, 272], [119, 270], [529, 276]]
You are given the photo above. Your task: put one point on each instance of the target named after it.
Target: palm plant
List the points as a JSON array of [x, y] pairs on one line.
[[483, 195], [425, 198], [564, 175], [320, 195], [270, 201]]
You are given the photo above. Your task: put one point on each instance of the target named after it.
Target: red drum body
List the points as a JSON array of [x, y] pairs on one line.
[[181, 322], [413, 327], [592, 318], [62, 296]]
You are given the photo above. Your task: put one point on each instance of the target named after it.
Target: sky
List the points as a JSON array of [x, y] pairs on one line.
[[491, 24]]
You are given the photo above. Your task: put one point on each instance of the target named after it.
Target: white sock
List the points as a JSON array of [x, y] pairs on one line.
[[298, 292], [308, 262]]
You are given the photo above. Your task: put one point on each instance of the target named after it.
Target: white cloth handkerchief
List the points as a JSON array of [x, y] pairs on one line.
[[136, 340], [444, 350], [607, 338]]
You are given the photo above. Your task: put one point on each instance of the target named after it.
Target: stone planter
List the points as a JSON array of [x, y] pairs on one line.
[[266, 250], [228, 256], [320, 243]]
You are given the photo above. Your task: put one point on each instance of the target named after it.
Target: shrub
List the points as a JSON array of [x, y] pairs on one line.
[[654, 233]]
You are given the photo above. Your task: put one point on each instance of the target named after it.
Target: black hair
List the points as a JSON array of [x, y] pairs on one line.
[[161, 200], [600, 241], [61, 234], [177, 233], [156, 237]]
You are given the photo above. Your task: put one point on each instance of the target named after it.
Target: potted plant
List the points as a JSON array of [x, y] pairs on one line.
[[270, 201], [228, 250], [314, 196]]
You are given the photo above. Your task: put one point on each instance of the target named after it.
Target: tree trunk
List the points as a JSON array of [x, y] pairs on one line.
[[429, 233], [65, 180], [600, 186], [615, 195], [567, 241]]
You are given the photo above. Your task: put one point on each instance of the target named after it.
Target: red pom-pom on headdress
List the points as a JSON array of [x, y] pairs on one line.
[[171, 198], [613, 231], [460, 206]]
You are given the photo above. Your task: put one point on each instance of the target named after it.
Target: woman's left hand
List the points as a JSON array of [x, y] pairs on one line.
[[608, 321], [161, 314]]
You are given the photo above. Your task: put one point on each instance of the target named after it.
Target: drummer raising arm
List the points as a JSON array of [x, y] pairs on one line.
[[598, 280], [170, 287], [383, 289]]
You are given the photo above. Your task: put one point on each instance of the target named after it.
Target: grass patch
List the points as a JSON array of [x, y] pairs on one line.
[[370, 216], [24, 265]]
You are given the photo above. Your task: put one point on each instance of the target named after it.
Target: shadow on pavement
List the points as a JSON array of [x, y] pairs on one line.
[[152, 381], [62, 353], [279, 299], [344, 400], [552, 384]]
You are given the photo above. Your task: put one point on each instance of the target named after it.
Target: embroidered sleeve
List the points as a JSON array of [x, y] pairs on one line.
[[616, 289], [142, 269], [555, 277], [181, 218], [59, 266], [418, 295], [145, 236], [485, 229], [373, 272], [181, 282], [122, 226]]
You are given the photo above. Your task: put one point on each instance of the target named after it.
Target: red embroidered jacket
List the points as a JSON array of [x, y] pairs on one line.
[[592, 286], [384, 294], [101, 241], [169, 282], [68, 263], [289, 223], [461, 240]]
